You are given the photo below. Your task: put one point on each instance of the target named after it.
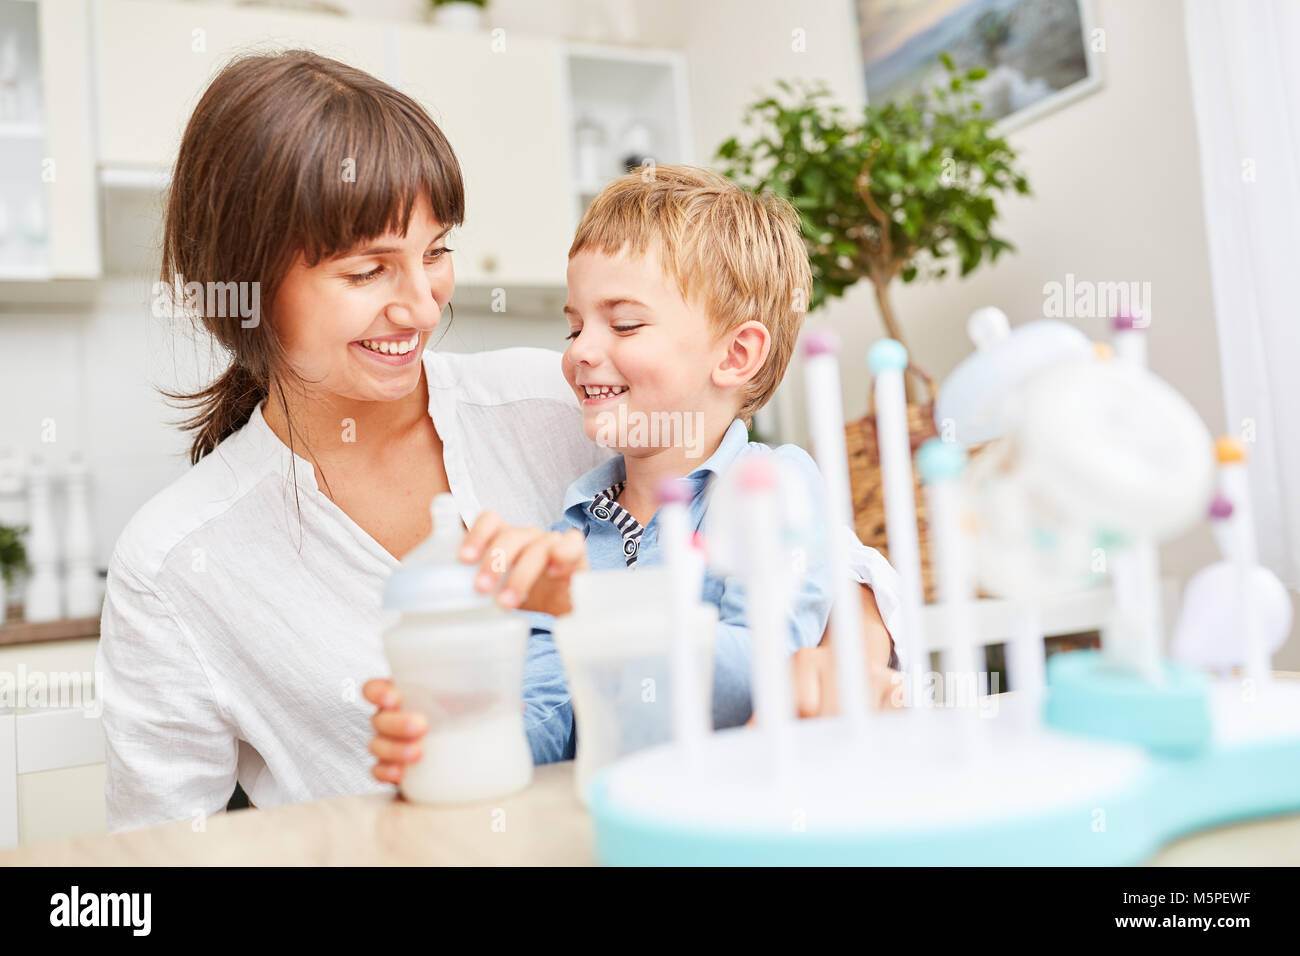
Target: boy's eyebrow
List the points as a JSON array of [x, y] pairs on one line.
[[606, 305], [384, 250], [611, 303]]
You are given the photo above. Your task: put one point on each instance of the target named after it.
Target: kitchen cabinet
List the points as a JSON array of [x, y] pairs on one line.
[[500, 101], [154, 60], [48, 197], [52, 752], [508, 104], [626, 106]]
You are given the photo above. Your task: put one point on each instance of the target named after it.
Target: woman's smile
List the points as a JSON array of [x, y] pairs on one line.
[[390, 351]]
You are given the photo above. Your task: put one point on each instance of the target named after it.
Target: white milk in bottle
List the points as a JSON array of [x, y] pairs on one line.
[[457, 658]]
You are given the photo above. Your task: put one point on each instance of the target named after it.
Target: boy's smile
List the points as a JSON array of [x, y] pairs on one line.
[[599, 394]]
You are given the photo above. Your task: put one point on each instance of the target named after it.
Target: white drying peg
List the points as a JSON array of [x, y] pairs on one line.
[[1235, 483], [766, 600], [826, 421], [887, 359], [690, 699], [941, 465]]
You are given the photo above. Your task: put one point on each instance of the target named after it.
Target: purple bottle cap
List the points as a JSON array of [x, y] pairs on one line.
[[820, 342], [1220, 507], [674, 491]]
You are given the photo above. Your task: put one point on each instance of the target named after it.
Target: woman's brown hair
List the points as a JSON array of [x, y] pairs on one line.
[[285, 154]]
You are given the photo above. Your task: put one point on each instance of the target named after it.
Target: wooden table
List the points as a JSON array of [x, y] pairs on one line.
[[543, 825]]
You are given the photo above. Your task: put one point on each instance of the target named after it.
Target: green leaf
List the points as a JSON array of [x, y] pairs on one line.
[[931, 162]]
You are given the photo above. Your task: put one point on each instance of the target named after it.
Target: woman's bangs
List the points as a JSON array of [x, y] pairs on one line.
[[372, 162]]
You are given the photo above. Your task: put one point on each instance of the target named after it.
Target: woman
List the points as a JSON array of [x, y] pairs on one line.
[[243, 601]]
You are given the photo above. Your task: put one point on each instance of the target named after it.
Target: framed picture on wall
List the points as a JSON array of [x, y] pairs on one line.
[[1039, 54]]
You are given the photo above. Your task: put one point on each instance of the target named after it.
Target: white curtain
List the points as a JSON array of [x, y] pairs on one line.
[[1244, 63]]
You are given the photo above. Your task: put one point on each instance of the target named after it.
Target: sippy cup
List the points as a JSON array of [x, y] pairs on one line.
[[616, 647], [458, 659]]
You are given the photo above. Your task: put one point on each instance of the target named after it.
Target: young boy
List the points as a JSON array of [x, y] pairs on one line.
[[686, 295]]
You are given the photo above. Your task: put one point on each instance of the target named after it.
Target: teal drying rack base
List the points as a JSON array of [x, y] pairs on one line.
[[1089, 697], [998, 786]]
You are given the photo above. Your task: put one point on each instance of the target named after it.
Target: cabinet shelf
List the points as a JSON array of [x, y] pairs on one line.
[[623, 103]]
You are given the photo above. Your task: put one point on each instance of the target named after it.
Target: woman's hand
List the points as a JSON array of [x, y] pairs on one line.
[[533, 567], [398, 733], [815, 690], [813, 668]]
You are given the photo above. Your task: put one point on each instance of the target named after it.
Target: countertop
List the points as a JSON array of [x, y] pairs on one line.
[[543, 825]]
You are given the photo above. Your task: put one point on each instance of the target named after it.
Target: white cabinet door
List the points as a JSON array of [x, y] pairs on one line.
[[503, 112], [155, 59], [72, 198]]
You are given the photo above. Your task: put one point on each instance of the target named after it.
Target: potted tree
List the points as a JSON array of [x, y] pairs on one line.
[[904, 190], [464, 15], [13, 561]]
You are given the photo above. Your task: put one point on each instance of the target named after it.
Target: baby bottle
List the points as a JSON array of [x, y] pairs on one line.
[[458, 659]]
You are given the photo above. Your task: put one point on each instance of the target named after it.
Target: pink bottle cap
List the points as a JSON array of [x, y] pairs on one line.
[[757, 474], [675, 491]]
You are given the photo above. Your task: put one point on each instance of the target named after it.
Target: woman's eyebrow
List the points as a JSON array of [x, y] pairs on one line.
[[385, 250]]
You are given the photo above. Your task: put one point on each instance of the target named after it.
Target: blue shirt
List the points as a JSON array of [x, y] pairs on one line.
[[616, 540]]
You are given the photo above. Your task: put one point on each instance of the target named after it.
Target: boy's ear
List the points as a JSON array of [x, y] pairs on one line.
[[746, 347]]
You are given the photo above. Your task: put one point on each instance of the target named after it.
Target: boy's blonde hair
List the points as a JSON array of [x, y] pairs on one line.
[[739, 253]]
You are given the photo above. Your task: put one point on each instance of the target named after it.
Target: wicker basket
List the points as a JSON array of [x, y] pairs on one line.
[[864, 475]]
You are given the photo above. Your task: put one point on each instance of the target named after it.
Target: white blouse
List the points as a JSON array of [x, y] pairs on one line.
[[241, 620]]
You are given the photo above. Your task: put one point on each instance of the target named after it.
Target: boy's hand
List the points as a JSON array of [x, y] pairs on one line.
[[536, 565], [397, 738]]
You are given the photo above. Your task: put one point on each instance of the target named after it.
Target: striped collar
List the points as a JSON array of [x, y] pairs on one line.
[[605, 507], [614, 472]]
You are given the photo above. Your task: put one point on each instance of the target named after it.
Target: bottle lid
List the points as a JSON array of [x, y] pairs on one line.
[[432, 577], [974, 397]]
